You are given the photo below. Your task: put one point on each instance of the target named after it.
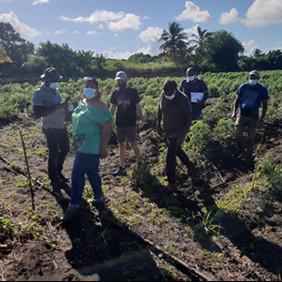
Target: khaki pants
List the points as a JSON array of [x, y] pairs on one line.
[[249, 126]]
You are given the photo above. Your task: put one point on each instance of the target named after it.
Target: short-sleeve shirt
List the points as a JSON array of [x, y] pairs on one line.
[[251, 97], [197, 85], [87, 131], [126, 100], [48, 98]]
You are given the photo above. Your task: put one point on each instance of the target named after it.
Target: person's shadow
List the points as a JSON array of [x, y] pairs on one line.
[[257, 248], [101, 249]]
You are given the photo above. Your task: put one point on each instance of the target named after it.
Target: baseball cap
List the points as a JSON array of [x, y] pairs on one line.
[[90, 79], [51, 74], [190, 71], [121, 75], [254, 73]]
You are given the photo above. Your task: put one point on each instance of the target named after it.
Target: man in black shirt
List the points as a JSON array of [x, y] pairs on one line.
[[197, 92], [125, 103], [174, 121]]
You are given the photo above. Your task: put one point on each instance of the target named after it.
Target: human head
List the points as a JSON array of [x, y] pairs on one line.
[[190, 72], [90, 88], [170, 86], [253, 77], [51, 75], [121, 79], [90, 82]]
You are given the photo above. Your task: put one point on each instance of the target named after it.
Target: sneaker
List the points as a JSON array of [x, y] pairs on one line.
[[70, 215], [100, 203], [120, 172]]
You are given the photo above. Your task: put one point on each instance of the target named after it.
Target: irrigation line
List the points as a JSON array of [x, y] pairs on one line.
[[15, 169]]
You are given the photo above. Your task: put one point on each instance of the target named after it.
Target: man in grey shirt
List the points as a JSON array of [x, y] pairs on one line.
[[175, 114], [47, 105]]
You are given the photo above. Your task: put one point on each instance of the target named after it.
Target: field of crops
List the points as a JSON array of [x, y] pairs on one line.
[[223, 223], [16, 98]]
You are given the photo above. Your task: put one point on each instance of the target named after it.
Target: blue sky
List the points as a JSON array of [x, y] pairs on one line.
[[119, 28]]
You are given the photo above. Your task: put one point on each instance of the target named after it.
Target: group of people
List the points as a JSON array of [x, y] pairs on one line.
[[92, 125]]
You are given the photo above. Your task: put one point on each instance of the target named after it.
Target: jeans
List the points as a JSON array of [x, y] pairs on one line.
[[58, 146], [85, 164], [174, 149]]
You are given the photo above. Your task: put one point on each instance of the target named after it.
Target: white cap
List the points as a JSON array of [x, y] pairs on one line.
[[121, 75]]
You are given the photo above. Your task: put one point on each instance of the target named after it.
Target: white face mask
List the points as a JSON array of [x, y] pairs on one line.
[[89, 93], [170, 98], [53, 85], [253, 81], [190, 78]]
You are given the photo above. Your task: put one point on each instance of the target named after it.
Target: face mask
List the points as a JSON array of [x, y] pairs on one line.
[[89, 93], [253, 81], [190, 78], [53, 85], [170, 98]]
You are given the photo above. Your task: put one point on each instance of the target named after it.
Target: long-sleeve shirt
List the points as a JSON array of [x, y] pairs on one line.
[[176, 115]]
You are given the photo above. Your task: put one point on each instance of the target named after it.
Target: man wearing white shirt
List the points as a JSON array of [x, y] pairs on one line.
[[197, 92]]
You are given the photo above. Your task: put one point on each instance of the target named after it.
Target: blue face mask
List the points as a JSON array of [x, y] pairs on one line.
[[253, 81], [90, 93], [53, 85]]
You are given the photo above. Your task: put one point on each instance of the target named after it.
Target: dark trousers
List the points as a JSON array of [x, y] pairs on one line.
[[58, 146], [174, 149], [85, 164]]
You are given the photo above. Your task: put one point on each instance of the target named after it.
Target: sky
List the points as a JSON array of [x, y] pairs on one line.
[[120, 28]]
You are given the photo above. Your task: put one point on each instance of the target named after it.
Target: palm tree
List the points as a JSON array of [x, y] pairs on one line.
[[174, 41], [201, 36]]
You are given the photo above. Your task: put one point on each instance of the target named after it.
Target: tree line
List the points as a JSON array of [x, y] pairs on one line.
[[207, 51]]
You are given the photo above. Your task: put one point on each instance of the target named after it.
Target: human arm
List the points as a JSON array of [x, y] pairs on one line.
[[106, 128], [42, 111]]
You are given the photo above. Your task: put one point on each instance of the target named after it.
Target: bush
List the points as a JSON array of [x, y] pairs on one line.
[[199, 137], [224, 129]]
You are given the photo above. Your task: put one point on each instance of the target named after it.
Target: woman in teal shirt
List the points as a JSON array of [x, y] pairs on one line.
[[92, 127]]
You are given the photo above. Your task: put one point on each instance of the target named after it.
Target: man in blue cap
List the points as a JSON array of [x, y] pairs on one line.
[[47, 105]]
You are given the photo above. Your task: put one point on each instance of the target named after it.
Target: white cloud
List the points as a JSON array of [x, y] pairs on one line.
[[60, 31], [264, 12], [250, 47], [75, 32], [39, 2], [153, 50], [114, 21], [92, 33], [23, 29], [193, 13], [151, 34], [113, 53], [129, 21], [229, 17], [96, 17]]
